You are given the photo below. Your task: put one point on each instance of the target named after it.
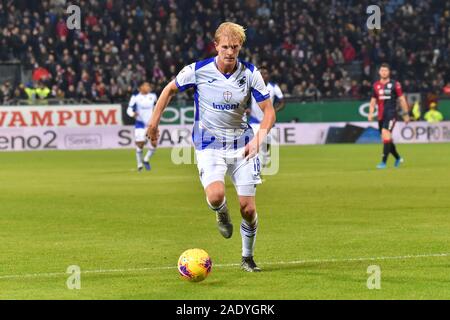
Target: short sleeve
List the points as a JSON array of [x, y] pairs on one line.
[[132, 102], [398, 89], [131, 110], [186, 78], [278, 93], [258, 87]]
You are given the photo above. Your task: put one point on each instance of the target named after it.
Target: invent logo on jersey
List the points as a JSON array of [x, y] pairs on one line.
[[226, 106], [227, 95]]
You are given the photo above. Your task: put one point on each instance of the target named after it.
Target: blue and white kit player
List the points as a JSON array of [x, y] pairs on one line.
[[224, 142], [141, 107]]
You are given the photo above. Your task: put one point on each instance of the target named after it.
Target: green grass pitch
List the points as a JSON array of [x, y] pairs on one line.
[[322, 218]]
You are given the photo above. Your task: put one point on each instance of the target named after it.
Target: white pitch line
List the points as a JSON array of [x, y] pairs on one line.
[[312, 261]]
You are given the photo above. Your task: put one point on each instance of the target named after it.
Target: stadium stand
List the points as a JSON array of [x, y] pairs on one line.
[[123, 42]]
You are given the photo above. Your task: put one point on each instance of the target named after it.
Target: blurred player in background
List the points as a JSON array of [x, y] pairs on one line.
[[385, 93], [141, 107], [223, 140], [255, 114]]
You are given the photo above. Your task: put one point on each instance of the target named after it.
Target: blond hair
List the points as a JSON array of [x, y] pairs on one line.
[[232, 30]]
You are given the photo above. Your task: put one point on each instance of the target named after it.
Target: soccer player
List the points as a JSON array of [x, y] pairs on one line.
[[223, 140], [385, 93], [256, 115], [141, 107]]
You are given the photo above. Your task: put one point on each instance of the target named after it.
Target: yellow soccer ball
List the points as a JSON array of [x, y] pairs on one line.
[[194, 265]]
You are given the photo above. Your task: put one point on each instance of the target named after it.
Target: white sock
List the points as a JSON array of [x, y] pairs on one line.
[[139, 157], [222, 208], [149, 154], [248, 234]]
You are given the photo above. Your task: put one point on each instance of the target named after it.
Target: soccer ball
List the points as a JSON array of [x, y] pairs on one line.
[[194, 265]]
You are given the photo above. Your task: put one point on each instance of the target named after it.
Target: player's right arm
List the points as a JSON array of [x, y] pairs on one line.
[[166, 95], [184, 80]]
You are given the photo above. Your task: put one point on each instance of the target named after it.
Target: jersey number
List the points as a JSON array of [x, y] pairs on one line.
[[256, 166]]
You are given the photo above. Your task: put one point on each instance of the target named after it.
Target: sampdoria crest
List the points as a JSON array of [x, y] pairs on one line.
[[227, 96]]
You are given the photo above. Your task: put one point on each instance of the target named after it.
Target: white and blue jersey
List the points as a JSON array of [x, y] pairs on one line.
[[220, 102], [143, 105], [256, 114]]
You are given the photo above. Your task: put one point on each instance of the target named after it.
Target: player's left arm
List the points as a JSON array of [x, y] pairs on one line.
[[262, 97], [252, 148], [403, 102], [131, 110]]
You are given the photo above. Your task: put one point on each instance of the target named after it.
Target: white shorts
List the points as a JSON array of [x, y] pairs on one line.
[[140, 135], [213, 164]]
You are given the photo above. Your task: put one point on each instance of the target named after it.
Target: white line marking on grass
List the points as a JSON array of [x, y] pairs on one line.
[[310, 261]]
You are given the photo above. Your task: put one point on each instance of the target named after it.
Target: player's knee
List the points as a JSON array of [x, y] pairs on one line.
[[140, 144], [385, 134], [248, 211], [216, 197]]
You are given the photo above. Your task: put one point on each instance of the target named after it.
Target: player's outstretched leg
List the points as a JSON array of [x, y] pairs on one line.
[[215, 197], [139, 160], [249, 228], [147, 157]]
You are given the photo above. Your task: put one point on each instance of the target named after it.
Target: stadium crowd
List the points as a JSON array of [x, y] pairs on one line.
[[309, 46]]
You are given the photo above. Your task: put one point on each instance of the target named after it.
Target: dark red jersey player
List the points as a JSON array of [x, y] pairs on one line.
[[385, 93]]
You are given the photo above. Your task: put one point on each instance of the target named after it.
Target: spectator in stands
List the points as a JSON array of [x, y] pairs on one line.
[[41, 73], [42, 91], [416, 110], [355, 90], [71, 93], [6, 92], [446, 89], [57, 93], [433, 115], [30, 91], [312, 93], [349, 51], [19, 93]]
